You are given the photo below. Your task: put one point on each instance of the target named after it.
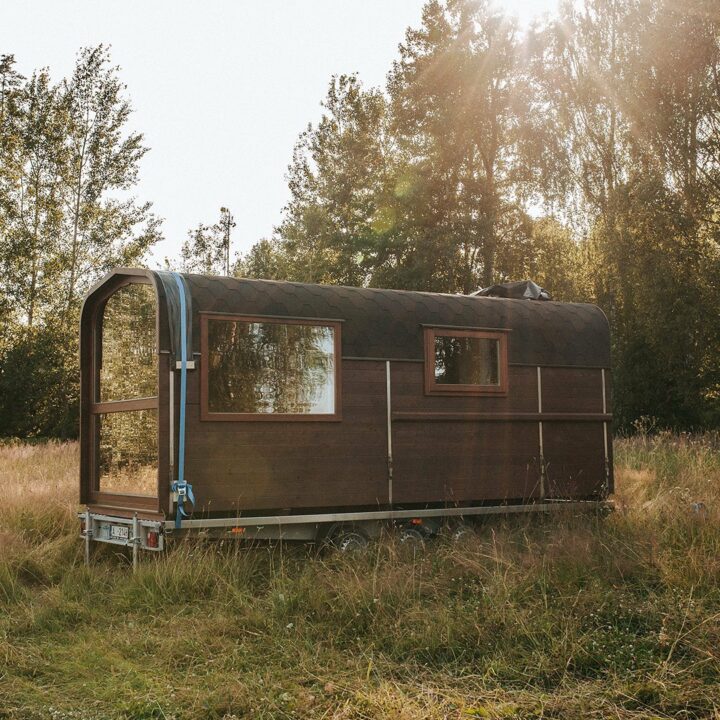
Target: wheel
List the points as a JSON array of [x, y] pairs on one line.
[[412, 537], [461, 533], [351, 541], [347, 539]]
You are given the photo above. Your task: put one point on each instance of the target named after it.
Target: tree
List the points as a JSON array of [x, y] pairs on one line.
[[424, 188], [265, 260], [556, 261], [331, 224], [207, 248], [590, 58], [102, 227], [462, 104], [677, 109], [660, 278], [32, 201], [10, 80], [69, 165], [39, 384]]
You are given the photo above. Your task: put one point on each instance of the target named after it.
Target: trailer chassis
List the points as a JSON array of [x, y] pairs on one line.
[[144, 534]]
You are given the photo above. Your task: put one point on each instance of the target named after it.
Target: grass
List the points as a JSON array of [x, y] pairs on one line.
[[580, 617]]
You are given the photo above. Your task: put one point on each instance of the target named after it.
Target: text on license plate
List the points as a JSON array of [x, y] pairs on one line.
[[119, 532]]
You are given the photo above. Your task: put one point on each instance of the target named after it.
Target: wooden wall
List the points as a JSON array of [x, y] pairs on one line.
[[445, 449], [282, 465]]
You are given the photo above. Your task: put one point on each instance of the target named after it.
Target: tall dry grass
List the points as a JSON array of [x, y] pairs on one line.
[[38, 493], [576, 616]]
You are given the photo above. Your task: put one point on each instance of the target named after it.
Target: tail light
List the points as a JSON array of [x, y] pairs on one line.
[[153, 538]]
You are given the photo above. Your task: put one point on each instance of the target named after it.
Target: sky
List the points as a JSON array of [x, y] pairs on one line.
[[221, 89]]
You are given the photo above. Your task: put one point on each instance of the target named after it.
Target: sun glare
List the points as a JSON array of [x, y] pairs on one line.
[[527, 11]]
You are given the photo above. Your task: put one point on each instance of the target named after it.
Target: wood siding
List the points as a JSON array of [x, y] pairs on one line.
[[283, 465], [574, 459], [572, 390], [463, 460], [442, 452], [574, 452]]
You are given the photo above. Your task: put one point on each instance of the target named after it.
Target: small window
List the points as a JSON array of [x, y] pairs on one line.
[[470, 362], [268, 369], [127, 452]]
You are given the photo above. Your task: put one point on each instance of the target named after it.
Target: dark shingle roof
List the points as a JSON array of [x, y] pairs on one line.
[[388, 323]]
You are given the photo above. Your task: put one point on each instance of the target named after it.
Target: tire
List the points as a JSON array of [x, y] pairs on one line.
[[462, 533], [347, 540], [412, 535], [411, 541]]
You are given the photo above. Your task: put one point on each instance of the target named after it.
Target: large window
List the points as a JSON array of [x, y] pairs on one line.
[[269, 369], [470, 362], [128, 360], [124, 411]]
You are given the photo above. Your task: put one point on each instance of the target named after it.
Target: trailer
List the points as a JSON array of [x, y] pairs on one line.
[[266, 409]]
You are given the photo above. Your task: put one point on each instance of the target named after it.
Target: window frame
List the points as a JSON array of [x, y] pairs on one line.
[[434, 388], [96, 408], [138, 402], [207, 415]]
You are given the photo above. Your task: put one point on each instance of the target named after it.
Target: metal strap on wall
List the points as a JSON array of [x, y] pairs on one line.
[[389, 432], [181, 487], [540, 433], [605, 432]]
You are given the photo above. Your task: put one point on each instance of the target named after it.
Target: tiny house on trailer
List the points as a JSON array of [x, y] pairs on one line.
[[259, 408]]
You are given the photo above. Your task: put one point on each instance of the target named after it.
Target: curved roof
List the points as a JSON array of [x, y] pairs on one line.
[[388, 324]]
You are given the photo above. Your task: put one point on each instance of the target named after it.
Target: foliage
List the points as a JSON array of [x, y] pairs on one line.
[[568, 617], [583, 154], [425, 187], [68, 165], [335, 177], [39, 384], [657, 276], [207, 248]]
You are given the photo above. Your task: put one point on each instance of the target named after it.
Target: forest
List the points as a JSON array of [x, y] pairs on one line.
[[582, 152]]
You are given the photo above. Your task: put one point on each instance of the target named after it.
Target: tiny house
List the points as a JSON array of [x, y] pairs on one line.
[[285, 408]]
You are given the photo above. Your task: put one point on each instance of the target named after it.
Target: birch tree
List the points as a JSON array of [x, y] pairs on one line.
[[103, 224]]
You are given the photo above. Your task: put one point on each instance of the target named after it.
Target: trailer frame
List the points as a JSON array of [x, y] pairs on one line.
[[308, 527]]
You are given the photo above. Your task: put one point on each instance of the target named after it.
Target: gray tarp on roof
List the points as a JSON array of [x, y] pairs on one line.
[[520, 290], [388, 323]]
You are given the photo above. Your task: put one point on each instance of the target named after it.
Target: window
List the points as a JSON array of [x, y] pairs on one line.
[[269, 369], [125, 409], [472, 362], [128, 361], [128, 452]]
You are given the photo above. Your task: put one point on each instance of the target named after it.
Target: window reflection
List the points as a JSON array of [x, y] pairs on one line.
[[128, 452], [467, 360], [270, 367], [128, 368]]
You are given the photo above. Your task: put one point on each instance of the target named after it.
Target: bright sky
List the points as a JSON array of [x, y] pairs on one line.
[[221, 88]]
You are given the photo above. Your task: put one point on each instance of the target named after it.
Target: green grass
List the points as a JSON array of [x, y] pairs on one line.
[[576, 617]]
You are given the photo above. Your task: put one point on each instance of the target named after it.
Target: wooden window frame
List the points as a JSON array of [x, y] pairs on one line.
[[205, 413], [97, 408], [434, 388]]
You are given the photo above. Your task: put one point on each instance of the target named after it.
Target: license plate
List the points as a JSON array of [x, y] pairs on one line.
[[119, 532]]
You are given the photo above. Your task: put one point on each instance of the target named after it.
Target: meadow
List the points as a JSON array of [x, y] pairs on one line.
[[580, 616]]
